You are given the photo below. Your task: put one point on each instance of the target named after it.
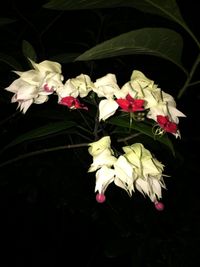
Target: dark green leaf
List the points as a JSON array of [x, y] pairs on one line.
[[160, 42], [28, 50], [44, 131], [65, 57], [4, 21], [142, 128], [167, 8]]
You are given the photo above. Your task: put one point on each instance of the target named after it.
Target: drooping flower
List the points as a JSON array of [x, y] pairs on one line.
[[102, 154], [124, 174], [104, 177], [147, 170]]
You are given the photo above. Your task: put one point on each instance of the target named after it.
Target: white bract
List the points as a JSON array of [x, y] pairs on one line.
[[34, 86], [79, 86], [107, 87], [147, 170]]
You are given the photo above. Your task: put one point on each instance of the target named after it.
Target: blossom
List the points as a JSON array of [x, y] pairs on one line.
[[72, 103], [162, 109], [118, 171], [107, 108], [130, 104], [147, 170], [78, 86], [107, 87], [35, 85], [136, 168], [104, 177], [98, 147], [105, 158], [137, 85], [102, 154], [124, 174], [166, 124]]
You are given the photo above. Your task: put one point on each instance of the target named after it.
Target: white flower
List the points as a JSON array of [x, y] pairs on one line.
[[106, 86], [124, 174], [107, 108], [104, 177], [79, 86], [160, 103], [121, 175], [102, 154], [105, 158], [34, 86], [99, 146], [147, 170]]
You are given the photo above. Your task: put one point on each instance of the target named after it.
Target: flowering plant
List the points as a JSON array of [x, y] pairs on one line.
[[107, 110], [138, 102]]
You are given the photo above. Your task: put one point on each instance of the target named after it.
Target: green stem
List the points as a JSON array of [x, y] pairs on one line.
[[42, 151], [187, 82], [85, 121], [96, 125], [194, 83], [128, 137]]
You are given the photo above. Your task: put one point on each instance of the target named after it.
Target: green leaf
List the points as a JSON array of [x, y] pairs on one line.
[[28, 50], [5, 21], [160, 42], [167, 8], [65, 57], [41, 132], [142, 128], [11, 61]]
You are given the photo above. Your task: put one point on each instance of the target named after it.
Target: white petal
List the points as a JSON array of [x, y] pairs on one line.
[[97, 147], [107, 108], [104, 177]]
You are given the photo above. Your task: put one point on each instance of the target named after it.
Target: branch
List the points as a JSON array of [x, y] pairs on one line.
[[128, 137], [189, 77], [45, 150]]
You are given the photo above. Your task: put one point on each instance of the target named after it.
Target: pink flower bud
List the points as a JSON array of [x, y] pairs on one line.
[[159, 205], [100, 198]]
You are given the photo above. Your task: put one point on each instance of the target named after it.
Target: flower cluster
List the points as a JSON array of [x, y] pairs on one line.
[[138, 94], [140, 97], [136, 168]]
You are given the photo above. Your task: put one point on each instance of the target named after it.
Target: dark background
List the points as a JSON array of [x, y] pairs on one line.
[[49, 215]]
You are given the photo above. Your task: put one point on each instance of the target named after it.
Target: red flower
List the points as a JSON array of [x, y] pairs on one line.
[[72, 102], [166, 124], [130, 104]]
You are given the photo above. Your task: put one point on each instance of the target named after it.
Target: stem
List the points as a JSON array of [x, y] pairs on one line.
[[45, 150], [187, 82], [194, 83], [86, 122], [128, 137], [96, 126]]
